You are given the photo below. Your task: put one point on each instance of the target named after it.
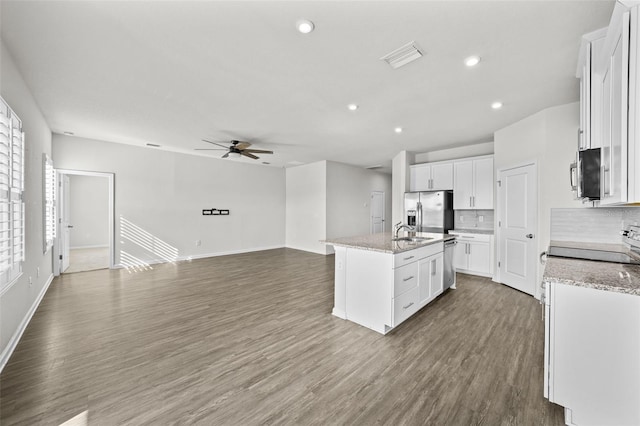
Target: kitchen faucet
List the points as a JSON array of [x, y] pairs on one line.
[[399, 226]]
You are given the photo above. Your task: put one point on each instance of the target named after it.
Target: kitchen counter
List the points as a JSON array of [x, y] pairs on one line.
[[383, 241], [616, 277], [472, 231]]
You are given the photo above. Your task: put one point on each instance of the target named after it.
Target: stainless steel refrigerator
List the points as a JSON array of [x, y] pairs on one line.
[[429, 211]]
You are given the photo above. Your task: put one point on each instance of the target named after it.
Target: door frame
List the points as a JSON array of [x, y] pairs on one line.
[[499, 217], [371, 211], [111, 194]]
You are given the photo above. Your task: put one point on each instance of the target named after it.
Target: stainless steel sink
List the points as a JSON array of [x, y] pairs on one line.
[[412, 239]]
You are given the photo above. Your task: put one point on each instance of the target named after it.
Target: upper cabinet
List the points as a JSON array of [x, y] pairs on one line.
[[431, 176], [609, 74], [473, 183]]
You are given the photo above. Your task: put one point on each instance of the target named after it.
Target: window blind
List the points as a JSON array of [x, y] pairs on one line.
[[50, 215], [12, 210]]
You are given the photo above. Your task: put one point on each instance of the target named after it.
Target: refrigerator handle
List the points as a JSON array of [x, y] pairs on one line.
[[419, 217]]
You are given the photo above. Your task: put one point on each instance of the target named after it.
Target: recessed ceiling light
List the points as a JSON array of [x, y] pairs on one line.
[[472, 61], [69, 133], [398, 130], [496, 105], [305, 26], [352, 107]]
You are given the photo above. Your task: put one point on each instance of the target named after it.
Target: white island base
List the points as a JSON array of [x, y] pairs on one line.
[[379, 290]]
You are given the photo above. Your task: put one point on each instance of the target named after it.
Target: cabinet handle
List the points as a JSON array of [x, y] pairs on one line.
[[470, 205], [407, 306], [434, 265], [474, 200], [408, 258], [603, 179], [408, 278]]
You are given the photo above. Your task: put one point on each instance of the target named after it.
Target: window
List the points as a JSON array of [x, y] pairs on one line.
[[12, 223], [49, 178]]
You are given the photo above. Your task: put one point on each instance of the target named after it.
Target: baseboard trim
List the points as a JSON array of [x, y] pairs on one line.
[[11, 346], [88, 247]]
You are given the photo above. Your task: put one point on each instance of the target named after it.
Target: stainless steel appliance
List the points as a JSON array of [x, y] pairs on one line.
[[429, 211], [585, 175], [449, 271]]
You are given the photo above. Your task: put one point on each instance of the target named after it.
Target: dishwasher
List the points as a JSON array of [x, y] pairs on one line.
[[449, 271]]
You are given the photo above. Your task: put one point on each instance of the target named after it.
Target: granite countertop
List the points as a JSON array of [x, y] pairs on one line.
[[383, 241], [609, 276], [473, 231]]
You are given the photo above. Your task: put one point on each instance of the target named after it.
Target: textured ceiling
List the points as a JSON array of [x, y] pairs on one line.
[[173, 73]]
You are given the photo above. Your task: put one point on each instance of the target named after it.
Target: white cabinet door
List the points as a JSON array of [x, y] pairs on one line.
[[424, 277], [479, 255], [483, 184], [431, 277], [436, 276], [584, 140], [594, 355], [460, 256], [615, 81], [420, 177], [462, 184], [441, 176]]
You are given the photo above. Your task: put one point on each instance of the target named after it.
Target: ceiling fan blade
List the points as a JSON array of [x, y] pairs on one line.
[[258, 151], [246, 154], [225, 155], [211, 149], [242, 145], [215, 143]]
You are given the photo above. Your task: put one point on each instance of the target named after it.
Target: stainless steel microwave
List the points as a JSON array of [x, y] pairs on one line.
[[585, 174]]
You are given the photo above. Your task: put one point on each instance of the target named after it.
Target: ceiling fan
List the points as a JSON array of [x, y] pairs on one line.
[[237, 149]]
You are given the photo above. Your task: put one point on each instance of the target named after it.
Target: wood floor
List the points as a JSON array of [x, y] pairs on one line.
[[249, 339]]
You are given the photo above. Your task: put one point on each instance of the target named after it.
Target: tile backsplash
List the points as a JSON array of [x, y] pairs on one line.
[[473, 219], [597, 225]]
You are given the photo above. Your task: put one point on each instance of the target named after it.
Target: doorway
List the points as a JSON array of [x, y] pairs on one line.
[[377, 212], [86, 221], [517, 227]]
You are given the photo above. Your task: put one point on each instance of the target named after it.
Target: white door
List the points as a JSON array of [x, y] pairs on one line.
[[517, 213], [377, 212], [65, 226]]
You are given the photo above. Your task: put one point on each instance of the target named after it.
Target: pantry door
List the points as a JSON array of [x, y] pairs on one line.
[[517, 227]]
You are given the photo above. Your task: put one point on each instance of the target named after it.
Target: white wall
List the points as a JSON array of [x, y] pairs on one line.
[[89, 211], [160, 195], [400, 184], [549, 138], [475, 150], [306, 220], [327, 199], [18, 302], [349, 199]]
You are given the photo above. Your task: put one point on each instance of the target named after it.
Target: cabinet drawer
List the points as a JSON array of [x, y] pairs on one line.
[[405, 278], [461, 236], [405, 305], [410, 256]]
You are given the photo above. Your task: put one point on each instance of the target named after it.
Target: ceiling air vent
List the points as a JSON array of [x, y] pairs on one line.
[[402, 56]]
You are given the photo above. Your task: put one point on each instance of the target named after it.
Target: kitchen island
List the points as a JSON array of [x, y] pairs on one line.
[[380, 281]]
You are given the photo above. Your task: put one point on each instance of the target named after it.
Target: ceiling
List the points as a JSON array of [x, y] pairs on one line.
[[175, 72]]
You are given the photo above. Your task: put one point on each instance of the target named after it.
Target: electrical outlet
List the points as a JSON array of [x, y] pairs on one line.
[[198, 243], [480, 218], [38, 272], [30, 281]]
